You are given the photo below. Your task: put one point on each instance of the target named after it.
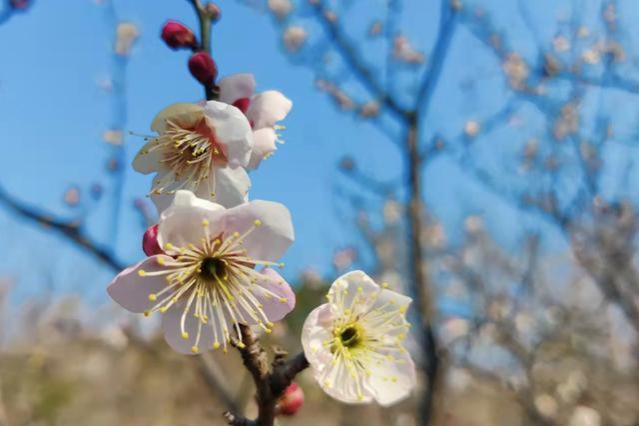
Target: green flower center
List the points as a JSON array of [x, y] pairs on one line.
[[350, 337], [212, 268]]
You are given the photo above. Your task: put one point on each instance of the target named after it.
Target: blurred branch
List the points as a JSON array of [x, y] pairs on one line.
[[69, 229], [447, 26], [350, 55]]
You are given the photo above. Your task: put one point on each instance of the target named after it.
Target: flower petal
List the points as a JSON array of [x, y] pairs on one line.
[[315, 332], [272, 238], [147, 161], [275, 295], [171, 326], [236, 86], [226, 186], [263, 145], [185, 114], [267, 108], [181, 223], [231, 186], [393, 381], [131, 291], [232, 130], [353, 291]]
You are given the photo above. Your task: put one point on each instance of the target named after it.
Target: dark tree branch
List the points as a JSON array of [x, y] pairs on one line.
[[447, 25], [269, 383], [350, 55], [68, 228]]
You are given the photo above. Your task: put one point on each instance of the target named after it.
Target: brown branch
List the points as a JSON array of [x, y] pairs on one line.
[[269, 384]]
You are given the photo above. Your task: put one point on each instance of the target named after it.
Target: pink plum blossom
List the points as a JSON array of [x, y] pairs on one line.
[[202, 148], [263, 111], [206, 282]]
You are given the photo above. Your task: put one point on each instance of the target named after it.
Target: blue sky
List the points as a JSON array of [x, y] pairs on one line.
[[53, 113]]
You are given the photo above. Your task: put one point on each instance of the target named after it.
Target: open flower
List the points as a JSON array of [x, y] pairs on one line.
[[206, 282], [263, 111], [200, 147], [354, 342]]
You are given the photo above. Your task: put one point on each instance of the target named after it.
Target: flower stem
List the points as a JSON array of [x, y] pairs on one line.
[[211, 92], [269, 383]]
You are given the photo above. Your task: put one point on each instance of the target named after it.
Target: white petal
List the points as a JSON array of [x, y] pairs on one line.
[[263, 145], [131, 291], [338, 382], [269, 241], [353, 291], [267, 108], [146, 161], [231, 186], [393, 381], [181, 223], [184, 114], [173, 333], [232, 130], [236, 87], [317, 330]]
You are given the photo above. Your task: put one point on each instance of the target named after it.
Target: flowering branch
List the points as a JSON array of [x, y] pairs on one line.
[[269, 383], [207, 15]]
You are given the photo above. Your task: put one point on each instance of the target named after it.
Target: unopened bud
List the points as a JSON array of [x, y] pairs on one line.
[[178, 36], [150, 243], [213, 11], [291, 400], [203, 68]]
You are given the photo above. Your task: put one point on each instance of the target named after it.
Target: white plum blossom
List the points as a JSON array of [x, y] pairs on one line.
[[354, 342], [202, 148], [206, 282], [263, 111]]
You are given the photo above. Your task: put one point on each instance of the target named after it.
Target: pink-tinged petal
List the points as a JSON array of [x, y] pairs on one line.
[[181, 223], [232, 131], [275, 294], [171, 326], [317, 330], [147, 161], [271, 239], [263, 145], [184, 114], [392, 381], [131, 290], [267, 108], [235, 87]]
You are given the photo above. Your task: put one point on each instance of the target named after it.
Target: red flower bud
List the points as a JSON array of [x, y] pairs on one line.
[[242, 104], [291, 400], [177, 35], [203, 68], [150, 241]]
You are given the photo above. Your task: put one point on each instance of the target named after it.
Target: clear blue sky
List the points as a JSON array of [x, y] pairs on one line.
[[53, 113]]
